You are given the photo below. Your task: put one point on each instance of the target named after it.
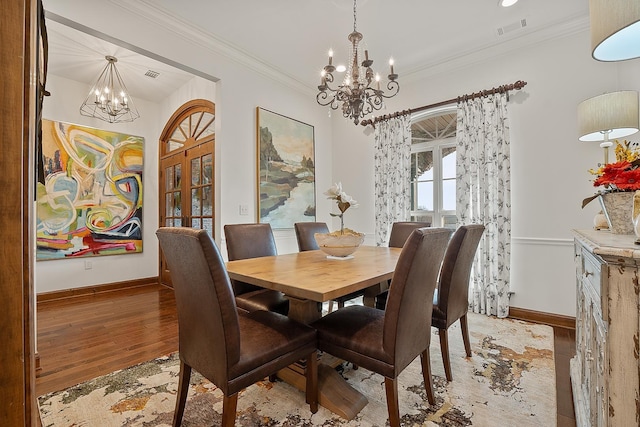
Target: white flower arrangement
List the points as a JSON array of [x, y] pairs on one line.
[[344, 202]]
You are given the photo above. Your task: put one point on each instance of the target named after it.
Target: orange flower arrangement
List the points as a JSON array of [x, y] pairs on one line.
[[623, 175]]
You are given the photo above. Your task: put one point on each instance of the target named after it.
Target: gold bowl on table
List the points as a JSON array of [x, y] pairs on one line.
[[339, 243]]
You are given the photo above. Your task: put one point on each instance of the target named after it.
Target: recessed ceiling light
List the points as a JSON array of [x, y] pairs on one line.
[[507, 3], [341, 68]]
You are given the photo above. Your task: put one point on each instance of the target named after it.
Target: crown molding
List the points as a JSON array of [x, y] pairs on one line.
[[161, 17], [470, 57], [209, 41]]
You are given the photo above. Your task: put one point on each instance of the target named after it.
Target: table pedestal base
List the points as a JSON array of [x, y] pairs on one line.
[[334, 393], [304, 310]]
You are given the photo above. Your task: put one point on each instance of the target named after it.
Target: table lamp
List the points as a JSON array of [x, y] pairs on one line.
[[608, 116]]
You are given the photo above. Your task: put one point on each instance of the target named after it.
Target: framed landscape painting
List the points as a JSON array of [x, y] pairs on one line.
[[90, 202], [286, 170]]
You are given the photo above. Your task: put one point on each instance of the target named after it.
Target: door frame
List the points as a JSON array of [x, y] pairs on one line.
[[20, 37]]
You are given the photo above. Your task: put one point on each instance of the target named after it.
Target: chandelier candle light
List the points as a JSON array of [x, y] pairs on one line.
[[109, 99], [356, 95]]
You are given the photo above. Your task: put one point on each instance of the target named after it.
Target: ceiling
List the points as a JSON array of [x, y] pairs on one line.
[[80, 56], [292, 37]]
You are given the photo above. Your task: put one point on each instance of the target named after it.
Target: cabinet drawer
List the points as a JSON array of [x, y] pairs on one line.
[[591, 273], [592, 279], [577, 252]]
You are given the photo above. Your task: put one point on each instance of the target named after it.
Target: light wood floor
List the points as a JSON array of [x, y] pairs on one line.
[[84, 337]]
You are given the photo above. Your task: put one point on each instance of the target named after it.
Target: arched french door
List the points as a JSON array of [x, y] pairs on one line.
[[187, 146]]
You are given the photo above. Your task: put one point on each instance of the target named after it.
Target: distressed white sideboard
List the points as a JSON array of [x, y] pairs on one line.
[[605, 373]]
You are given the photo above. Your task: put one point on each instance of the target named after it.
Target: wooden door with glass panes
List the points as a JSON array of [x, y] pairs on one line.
[[187, 146]]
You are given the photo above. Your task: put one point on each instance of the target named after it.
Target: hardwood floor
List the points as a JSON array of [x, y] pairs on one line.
[[84, 337], [565, 349]]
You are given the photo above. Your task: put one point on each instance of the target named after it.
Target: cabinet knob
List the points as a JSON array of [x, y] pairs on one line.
[[588, 273]]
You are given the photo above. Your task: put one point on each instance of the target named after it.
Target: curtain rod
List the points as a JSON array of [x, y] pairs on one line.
[[462, 98]]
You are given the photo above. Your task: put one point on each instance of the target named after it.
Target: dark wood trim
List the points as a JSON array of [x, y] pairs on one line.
[[551, 319], [96, 289], [461, 98], [18, 35]]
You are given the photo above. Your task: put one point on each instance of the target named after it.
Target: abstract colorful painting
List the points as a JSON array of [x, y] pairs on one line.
[[286, 170], [91, 201]]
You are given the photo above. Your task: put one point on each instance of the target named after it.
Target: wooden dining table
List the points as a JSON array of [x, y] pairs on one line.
[[308, 279]]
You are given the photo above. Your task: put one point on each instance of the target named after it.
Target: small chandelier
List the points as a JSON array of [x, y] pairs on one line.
[[109, 99], [356, 94]]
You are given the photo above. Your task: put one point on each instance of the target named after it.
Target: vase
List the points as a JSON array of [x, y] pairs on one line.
[[339, 244], [618, 208]]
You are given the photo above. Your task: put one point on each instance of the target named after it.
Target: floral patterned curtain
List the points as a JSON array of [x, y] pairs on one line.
[[392, 163], [484, 197]]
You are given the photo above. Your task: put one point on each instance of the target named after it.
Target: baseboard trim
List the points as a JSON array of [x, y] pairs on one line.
[[96, 289], [550, 319]]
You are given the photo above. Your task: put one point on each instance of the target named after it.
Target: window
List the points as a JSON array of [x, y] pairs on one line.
[[433, 167]]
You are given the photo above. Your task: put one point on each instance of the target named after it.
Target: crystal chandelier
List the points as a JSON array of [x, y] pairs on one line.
[[357, 94], [109, 99]]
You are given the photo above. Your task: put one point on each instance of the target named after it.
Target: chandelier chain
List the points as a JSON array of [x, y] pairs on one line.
[[354, 16]]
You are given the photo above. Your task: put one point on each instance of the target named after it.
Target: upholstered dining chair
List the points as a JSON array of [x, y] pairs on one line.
[[253, 241], [376, 296], [386, 342], [401, 230], [232, 350], [451, 300], [305, 234]]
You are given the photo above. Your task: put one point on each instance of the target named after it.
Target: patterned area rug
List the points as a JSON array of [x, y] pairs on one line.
[[509, 381]]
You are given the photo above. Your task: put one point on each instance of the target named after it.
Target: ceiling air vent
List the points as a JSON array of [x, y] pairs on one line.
[[512, 27], [152, 74]]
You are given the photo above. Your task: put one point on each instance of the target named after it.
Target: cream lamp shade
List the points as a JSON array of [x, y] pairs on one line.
[[615, 29], [612, 115], [614, 112]]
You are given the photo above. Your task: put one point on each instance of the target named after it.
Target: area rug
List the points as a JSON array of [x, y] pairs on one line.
[[509, 381]]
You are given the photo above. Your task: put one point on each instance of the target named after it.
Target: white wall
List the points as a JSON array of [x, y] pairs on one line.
[[549, 165], [239, 91], [196, 88]]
